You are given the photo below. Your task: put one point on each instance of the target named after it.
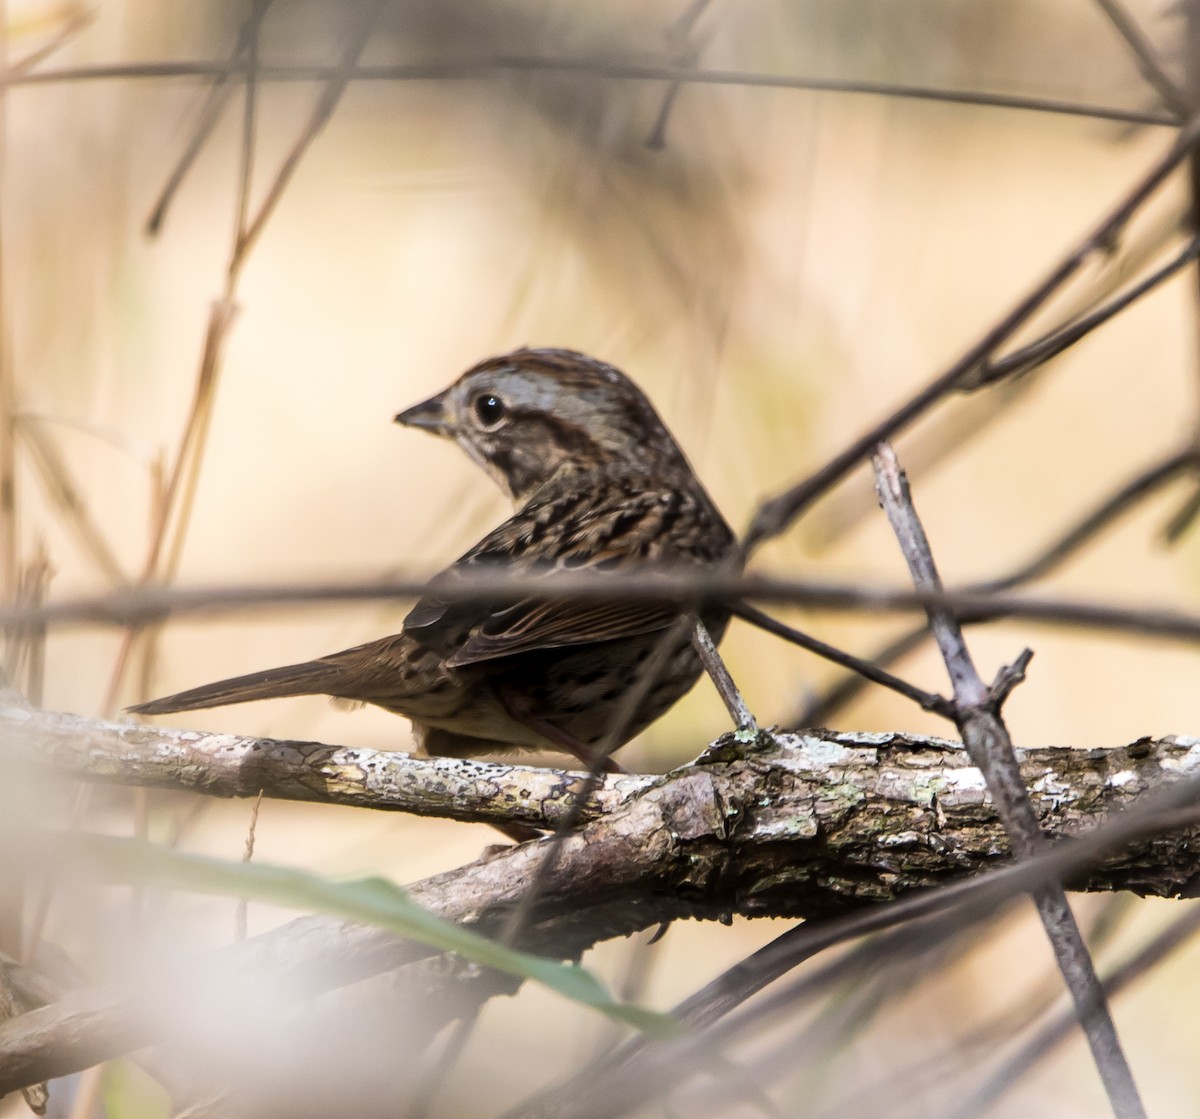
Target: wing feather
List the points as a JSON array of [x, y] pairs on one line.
[[617, 525]]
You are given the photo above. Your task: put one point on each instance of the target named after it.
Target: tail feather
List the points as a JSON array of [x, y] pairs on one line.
[[310, 678]]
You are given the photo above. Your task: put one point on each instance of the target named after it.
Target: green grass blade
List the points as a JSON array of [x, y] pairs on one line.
[[371, 901]]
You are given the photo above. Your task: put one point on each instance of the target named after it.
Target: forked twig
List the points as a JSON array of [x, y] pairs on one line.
[[865, 672], [1062, 338], [221, 89], [774, 516], [78, 20], [1147, 58], [1068, 543], [687, 55], [331, 94], [986, 738]]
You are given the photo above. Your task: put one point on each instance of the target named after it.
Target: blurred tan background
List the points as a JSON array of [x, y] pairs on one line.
[[787, 269]]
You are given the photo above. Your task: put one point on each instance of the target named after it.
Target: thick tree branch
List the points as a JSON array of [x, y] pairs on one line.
[[802, 825], [229, 765], [854, 817]]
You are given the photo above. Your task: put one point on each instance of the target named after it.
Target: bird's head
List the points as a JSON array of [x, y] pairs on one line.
[[531, 415]]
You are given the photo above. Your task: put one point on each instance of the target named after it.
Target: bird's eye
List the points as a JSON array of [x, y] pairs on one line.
[[490, 409]]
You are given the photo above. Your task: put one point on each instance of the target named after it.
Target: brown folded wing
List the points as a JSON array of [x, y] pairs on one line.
[[622, 531]]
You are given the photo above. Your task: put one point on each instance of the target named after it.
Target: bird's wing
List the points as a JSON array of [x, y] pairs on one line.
[[532, 625], [611, 528]]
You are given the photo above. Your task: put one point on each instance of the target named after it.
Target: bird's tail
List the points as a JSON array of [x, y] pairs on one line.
[[310, 678]]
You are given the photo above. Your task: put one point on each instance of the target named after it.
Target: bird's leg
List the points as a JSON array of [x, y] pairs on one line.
[[568, 743]]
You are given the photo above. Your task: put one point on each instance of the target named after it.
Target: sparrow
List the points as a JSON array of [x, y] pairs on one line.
[[599, 485]]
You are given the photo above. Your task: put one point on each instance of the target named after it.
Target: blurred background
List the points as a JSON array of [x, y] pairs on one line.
[[776, 267]]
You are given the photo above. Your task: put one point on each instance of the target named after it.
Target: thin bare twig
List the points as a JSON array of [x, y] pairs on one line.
[[1123, 499], [864, 671], [818, 709], [609, 69], [66, 494], [944, 434], [221, 315], [250, 36], [987, 740], [965, 1052], [25, 662], [180, 491], [734, 702], [1058, 341], [248, 230], [148, 605], [729, 990]]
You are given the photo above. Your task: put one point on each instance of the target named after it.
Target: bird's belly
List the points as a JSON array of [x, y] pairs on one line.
[[483, 717]]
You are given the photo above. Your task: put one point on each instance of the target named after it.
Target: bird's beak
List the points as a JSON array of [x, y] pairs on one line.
[[430, 415]]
